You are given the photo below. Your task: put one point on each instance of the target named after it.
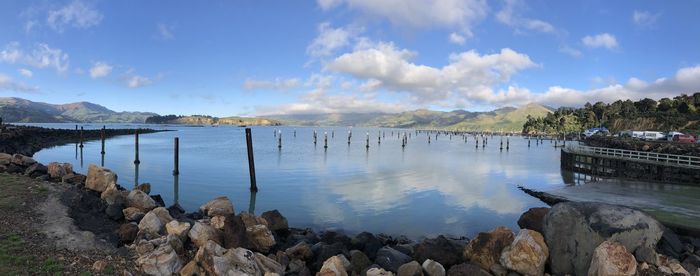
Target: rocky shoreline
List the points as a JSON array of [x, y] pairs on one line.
[[27, 140], [569, 238]]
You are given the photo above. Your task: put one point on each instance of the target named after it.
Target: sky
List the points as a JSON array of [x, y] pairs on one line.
[[257, 58]]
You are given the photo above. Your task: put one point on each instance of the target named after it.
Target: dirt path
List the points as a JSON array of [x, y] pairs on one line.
[[37, 237]]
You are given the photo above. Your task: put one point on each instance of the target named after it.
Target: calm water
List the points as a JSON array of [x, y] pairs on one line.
[[445, 187]]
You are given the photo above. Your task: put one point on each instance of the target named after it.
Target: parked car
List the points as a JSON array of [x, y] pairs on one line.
[[654, 135], [683, 138], [672, 134], [596, 131]]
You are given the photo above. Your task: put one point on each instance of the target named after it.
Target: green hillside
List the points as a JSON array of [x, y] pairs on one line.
[[21, 110]]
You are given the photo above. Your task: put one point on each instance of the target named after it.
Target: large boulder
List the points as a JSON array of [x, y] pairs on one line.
[[359, 262], [58, 170], [133, 214], [35, 170], [113, 196], [467, 269], [99, 178], [391, 259], [260, 237], [375, 271], [301, 251], [333, 267], [485, 250], [235, 233], [5, 159], [268, 265], [573, 230], [410, 269], [178, 228], [527, 254], [201, 233], [433, 268], [439, 249], [139, 199], [533, 219], [275, 221], [323, 251], [367, 243], [127, 232], [154, 222], [21, 160], [611, 258], [161, 261], [215, 260], [220, 206]]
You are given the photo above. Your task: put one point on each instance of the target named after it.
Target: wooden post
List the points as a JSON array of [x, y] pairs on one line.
[[349, 135], [325, 140], [295, 133], [81, 137], [176, 164], [102, 137], [136, 147], [251, 162], [314, 137], [279, 140], [507, 143], [367, 146]]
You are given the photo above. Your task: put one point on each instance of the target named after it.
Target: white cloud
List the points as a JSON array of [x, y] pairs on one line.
[[330, 39], [165, 31], [457, 38], [604, 40], [42, 56], [132, 80], [570, 51], [26, 72], [467, 76], [645, 18], [459, 14], [511, 16], [100, 69], [276, 84], [8, 84], [77, 14]]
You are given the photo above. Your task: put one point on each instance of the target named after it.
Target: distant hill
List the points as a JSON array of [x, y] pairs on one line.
[[506, 119], [209, 120], [21, 110]]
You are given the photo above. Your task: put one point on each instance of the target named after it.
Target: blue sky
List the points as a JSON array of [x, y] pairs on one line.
[[266, 57]]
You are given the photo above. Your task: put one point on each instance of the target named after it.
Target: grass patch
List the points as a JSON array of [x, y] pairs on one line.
[[11, 260]]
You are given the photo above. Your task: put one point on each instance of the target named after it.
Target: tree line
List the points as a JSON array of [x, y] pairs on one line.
[[679, 113]]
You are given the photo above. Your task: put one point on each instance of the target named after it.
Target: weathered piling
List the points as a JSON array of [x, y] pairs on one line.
[[136, 148], [176, 158], [102, 138], [295, 133], [279, 140], [349, 136], [501, 147], [428, 139], [325, 140], [367, 145], [81, 137], [314, 137], [251, 162], [507, 143]]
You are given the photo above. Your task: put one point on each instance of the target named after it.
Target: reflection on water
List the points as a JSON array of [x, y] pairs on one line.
[[441, 187]]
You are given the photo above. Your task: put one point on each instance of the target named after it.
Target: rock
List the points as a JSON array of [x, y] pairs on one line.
[[573, 230], [433, 268], [35, 170], [235, 233], [298, 267], [410, 269], [268, 265], [439, 249], [485, 250], [177, 228], [301, 251], [251, 220], [498, 270], [99, 179], [467, 269], [74, 178], [333, 267], [57, 170], [527, 254], [670, 244], [144, 247], [692, 264], [215, 260], [133, 214], [367, 243], [99, 266], [665, 270], [611, 258], [648, 255], [21, 160], [176, 243], [220, 206], [260, 237], [323, 251], [115, 211], [158, 200], [378, 272], [391, 259], [677, 268], [201, 233], [331, 237], [218, 222], [127, 232], [533, 219], [154, 221], [191, 269], [139, 199], [359, 261], [275, 221], [144, 187], [5, 159], [112, 195], [161, 261]]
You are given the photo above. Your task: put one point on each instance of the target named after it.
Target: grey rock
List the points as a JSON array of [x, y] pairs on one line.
[[391, 259], [467, 269], [410, 269]]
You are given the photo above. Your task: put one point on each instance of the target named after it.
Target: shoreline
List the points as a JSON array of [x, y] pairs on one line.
[[168, 240]]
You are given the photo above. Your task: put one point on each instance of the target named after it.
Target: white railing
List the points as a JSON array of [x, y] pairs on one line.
[[671, 159]]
